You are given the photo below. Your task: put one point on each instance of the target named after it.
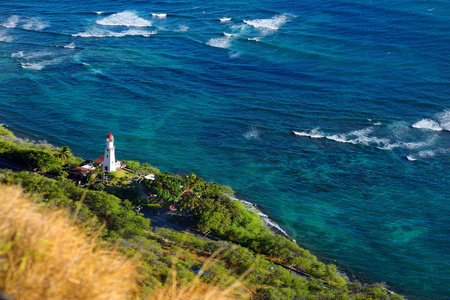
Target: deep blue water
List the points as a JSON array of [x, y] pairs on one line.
[[334, 116]]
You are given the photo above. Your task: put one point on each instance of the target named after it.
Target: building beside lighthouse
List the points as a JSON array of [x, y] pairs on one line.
[[108, 161]]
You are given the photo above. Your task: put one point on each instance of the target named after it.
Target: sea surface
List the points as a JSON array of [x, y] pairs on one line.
[[332, 116]]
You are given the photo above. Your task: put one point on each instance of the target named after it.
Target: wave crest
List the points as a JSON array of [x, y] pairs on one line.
[[25, 23], [159, 16], [125, 18], [438, 122], [366, 137], [253, 133], [224, 42], [273, 23], [101, 33], [427, 124], [11, 22], [315, 134]]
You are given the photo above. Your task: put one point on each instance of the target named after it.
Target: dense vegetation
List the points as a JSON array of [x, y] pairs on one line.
[[246, 242]]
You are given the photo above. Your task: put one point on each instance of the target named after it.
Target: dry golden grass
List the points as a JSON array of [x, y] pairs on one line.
[[43, 256], [197, 290]]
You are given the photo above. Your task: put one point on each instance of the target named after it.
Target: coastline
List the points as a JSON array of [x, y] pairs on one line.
[[276, 228], [268, 222]]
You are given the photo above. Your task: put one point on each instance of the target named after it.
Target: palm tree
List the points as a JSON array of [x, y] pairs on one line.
[[64, 154], [189, 202]]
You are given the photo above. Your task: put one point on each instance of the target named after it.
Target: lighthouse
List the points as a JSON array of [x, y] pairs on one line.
[[109, 162]]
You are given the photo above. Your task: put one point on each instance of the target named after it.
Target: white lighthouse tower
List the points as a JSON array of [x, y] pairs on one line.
[[109, 162]]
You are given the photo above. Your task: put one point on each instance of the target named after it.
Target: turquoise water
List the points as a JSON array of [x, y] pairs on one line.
[[333, 116]]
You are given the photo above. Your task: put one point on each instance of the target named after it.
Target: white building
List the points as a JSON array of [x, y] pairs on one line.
[[109, 162]]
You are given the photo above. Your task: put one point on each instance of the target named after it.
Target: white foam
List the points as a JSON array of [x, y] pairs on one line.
[[224, 42], [417, 145], [257, 39], [99, 12], [182, 28], [18, 54], [37, 60], [427, 124], [253, 133], [358, 137], [6, 39], [40, 65], [125, 18], [361, 137], [315, 134], [233, 54], [34, 66], [101, 33], [32, 55], [228, 34], [427, 153], [411, 158], [11, 22], [444, 120], [25, 23], [266, 220], [377, 123], [34, 24], [224, 19], [70, 46], [159, 16], [273, 23]]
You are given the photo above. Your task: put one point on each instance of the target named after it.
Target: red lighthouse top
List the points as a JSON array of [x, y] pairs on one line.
[[110, 136]]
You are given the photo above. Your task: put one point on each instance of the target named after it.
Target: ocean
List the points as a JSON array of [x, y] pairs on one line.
[[332, 116]]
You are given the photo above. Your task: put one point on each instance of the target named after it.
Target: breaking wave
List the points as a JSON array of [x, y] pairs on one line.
[[182, 28], [38, 66], [253, 133], [159, 16], [34, 24], [391, 139], [11, 22], [38, 60], [25, 23], [438, 122], [315, 134], [70, 46], [125, 18], [427, 124], [411, 158], [4, 37], [273, 23], [101, 33], [224, 42], [233, 54]]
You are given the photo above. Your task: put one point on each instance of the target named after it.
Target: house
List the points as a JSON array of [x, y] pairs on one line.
[[79, 171]]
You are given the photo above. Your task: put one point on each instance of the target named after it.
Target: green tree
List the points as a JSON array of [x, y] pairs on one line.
[[64, 153], [189, 202]]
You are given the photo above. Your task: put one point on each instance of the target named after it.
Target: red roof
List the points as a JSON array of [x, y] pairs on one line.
[[100, 160], [79, 171], [110, 136]]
